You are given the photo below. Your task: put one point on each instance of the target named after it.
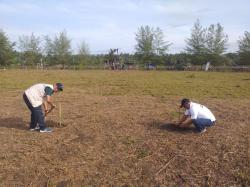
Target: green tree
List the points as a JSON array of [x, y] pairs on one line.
[[244, 49], [83, 54], [151, 46], [83, 49], [6, 49], [244, 43], [196, 44], [48, 51], [145, 45], [216, 40], [30, 49], [62, 49], [160, 45]]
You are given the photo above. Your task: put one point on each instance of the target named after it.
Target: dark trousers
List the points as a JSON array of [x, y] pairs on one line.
[[37, 116]]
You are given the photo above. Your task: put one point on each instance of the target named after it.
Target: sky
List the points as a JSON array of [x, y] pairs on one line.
[[105, 24]]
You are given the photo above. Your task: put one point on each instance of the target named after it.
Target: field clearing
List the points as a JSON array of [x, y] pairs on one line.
[[116, 130]]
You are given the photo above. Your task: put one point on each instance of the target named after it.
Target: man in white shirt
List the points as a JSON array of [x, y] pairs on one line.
[[196, 114], [36, 96]]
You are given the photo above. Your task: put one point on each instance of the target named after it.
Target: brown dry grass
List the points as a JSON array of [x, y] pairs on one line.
[[123, 140]]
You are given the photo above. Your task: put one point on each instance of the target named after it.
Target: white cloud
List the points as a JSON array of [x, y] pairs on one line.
[[113, 23]]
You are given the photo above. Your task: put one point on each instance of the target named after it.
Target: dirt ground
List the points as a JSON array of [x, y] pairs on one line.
[[123, 141]]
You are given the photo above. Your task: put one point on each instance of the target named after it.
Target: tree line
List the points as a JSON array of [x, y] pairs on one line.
[[203, 45]]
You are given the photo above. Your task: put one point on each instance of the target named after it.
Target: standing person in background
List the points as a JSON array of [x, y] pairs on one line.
[[36, 96], [196, 114]]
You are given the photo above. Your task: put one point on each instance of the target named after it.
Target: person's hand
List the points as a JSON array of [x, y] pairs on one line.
[[53, 106], [46, 112], [177, 124]]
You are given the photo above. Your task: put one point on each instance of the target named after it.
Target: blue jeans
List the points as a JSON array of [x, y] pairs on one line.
[[37, 116], [201, 123]]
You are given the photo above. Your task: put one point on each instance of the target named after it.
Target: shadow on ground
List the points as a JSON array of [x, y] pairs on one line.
[[168, 126], [18, 123], [14, 122]]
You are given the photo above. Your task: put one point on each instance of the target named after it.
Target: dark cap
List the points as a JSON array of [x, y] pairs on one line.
[[184, 101], [59, 86]]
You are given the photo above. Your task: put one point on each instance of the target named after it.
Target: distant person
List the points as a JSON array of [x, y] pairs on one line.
[[196, 114], [36, 96]]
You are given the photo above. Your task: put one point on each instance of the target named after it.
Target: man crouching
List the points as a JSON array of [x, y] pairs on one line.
[[196, 114]]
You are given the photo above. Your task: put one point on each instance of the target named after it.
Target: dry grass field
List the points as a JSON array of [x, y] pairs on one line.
[[116, 130]]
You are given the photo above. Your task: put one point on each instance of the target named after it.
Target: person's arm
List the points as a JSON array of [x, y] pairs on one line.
[[186, 123], [49, 101], [46, 103], [193, 115], [183, 118], [45, 106], [190, 114]]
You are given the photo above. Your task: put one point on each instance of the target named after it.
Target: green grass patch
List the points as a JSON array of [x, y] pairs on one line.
[[154, 83]]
